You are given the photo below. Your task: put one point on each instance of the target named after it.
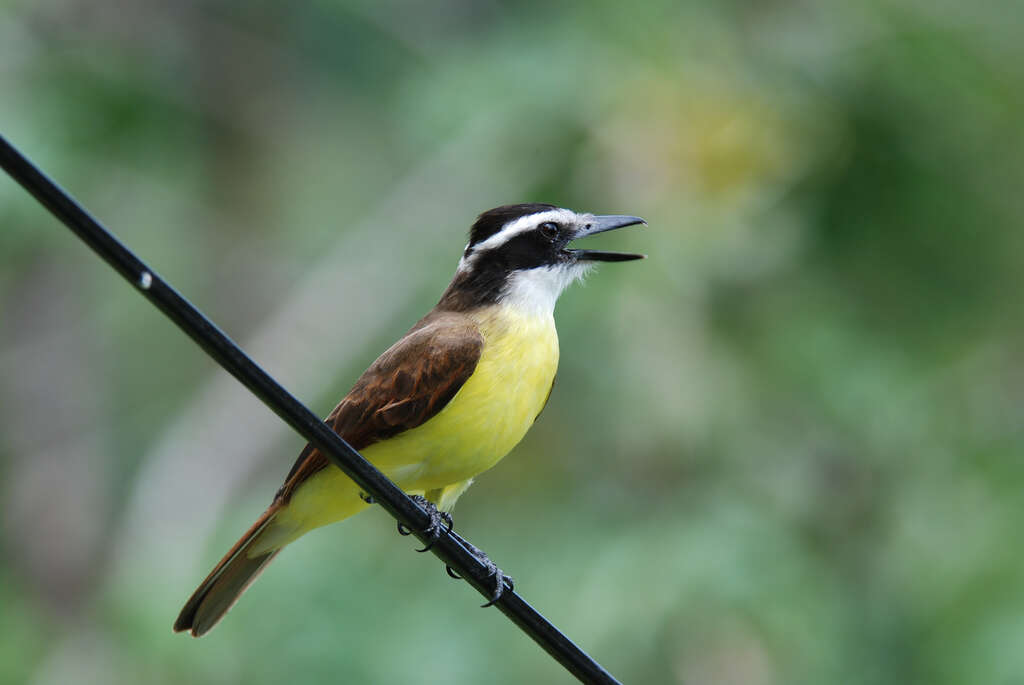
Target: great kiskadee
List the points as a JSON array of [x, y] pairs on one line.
[[444, 403]]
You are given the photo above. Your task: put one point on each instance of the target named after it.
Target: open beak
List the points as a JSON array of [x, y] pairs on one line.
[[600, 224]]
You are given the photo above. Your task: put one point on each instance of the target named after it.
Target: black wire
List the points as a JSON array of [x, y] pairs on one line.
[[215, 343]]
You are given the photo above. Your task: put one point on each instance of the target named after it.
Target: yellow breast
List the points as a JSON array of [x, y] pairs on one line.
[[489, 415]]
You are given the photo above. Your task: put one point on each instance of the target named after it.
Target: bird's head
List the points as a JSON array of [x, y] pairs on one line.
[[520, 255]]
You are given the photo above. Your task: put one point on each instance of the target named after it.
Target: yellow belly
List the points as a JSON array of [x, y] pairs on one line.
[[485, 419]]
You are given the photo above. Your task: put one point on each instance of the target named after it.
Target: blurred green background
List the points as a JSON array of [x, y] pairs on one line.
[[787, 448]]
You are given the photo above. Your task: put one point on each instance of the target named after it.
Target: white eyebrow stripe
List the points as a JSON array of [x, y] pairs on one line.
[[522, 225], [464, 259]]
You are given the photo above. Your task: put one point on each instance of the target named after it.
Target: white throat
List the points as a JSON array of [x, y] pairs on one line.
[[535, 291]]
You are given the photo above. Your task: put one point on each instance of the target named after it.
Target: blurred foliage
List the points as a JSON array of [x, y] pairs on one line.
[[785, 449]]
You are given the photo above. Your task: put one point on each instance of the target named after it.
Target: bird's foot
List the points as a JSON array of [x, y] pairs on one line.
[[492, 572], [367, 498], [440, 522]]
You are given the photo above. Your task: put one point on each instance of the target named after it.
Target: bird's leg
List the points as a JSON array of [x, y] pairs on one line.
[[492, 570], [434, 529]]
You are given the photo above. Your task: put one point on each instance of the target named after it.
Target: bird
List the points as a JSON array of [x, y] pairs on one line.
[[443, 404]]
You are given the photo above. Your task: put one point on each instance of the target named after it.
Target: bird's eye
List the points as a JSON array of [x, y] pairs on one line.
[[549, 230]]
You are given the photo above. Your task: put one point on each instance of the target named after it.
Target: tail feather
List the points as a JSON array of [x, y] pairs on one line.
[[227, 581]]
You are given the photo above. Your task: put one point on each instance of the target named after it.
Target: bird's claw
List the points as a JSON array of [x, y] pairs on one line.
[[441, 524], [492, 572], [434, 529], [499, 584], [367, 498]]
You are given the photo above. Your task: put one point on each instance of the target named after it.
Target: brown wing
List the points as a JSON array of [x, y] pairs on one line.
[[407, 385]]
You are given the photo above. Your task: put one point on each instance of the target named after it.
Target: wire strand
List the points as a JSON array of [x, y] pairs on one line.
[[451, 549]]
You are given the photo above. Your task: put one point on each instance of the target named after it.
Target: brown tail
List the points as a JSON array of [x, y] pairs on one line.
[[226, 582]]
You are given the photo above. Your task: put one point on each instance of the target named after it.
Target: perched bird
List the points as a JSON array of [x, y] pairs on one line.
[[444, 403]]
